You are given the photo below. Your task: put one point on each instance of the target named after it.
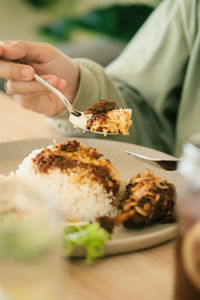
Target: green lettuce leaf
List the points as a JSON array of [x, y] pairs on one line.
[[92, 237]]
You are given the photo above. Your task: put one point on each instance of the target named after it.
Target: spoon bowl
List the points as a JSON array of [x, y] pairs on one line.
[[77, 118]]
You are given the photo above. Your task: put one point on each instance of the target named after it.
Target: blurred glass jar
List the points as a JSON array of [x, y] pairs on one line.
[[31, 263], [187, 260]]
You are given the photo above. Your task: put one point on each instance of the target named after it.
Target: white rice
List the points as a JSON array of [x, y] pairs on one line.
[[81, 201]]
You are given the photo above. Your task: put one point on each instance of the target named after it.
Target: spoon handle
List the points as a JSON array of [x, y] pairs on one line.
[[166, 164], [57, 93], [49, 87]]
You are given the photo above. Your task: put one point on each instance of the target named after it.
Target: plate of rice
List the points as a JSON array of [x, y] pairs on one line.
[[90, 178]]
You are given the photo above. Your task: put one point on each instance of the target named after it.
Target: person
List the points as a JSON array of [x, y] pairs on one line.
[[157, 75]]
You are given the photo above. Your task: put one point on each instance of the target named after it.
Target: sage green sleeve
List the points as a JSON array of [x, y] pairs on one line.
[[152, 76]]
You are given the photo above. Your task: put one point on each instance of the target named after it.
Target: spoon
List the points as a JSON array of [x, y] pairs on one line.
[[169, 164], [77, 118]]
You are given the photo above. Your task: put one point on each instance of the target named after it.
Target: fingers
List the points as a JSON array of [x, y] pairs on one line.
[[37, 102], [9, 50], [30, 51], [41, 103], [31, 102], [22, 87], [16, 71], [31, 54], [11, 70]]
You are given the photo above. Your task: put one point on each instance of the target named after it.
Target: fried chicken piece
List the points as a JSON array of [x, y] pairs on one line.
[[148, 199]]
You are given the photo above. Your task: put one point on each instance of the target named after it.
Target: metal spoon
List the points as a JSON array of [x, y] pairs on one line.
[[169, 164], [77, 118]]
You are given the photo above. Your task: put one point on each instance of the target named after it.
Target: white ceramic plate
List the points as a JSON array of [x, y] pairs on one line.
[[123, 240]]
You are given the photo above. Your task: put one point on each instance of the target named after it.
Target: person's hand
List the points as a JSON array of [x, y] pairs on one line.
[[58, 69]]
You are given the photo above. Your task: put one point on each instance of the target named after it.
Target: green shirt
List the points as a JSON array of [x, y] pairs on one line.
[[157, 76]]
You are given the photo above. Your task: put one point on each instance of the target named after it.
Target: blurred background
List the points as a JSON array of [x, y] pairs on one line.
[[94, 29]]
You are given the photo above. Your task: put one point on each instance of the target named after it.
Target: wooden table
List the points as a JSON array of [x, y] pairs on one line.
[[143, 275]]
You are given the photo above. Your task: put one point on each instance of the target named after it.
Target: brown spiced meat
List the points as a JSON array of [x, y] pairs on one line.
[[106, 117], [148, 199], [102, 106]]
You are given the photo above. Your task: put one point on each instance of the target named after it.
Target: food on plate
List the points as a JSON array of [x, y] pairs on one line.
[[148, 199], [90, 236], [87, 185], [108, 118], [90, 192], [17, 243]]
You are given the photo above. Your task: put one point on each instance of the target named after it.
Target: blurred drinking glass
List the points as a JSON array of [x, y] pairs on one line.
[[187, 276], [31, 264]]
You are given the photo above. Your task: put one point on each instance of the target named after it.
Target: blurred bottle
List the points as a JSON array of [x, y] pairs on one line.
[[31, 263], [187, 275]]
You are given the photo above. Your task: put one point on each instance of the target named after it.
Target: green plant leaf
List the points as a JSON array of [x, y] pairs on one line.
[[92, 237], [40, 3], [118, 21]]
